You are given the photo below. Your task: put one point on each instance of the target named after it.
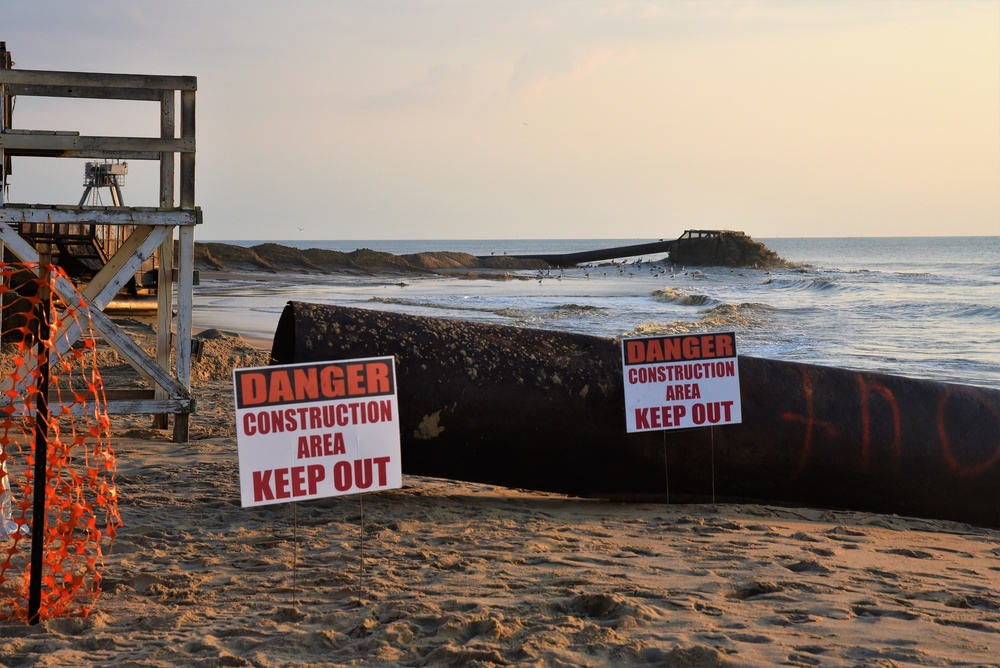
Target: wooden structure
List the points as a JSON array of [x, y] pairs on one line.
[[152, 229]]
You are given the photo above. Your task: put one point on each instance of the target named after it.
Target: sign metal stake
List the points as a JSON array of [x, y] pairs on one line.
[[40, 479], [712, 432], [666, 470]]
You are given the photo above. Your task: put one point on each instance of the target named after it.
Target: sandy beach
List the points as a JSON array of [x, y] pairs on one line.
[[448, 573]]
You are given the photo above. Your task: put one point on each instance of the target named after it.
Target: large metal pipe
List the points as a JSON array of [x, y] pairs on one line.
[[579, 257], [545, 410]]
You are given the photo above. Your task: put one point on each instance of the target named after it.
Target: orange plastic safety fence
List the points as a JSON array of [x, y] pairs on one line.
[[81, 509]]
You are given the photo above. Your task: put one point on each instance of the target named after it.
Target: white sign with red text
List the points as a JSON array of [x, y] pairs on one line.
[[681, 381], [308, 431]]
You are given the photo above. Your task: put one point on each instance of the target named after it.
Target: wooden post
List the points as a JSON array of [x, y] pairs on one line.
[[165, 254], [185, 303], [185, 264]]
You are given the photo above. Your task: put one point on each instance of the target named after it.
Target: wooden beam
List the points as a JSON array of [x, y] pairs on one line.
[[164, 319], [187, 159], [20, 213], [185, 305], [167, 112], [33, 90], [90, 154], [21, 144], [120, 402], [98, 80], [152, 407], [165, 275]]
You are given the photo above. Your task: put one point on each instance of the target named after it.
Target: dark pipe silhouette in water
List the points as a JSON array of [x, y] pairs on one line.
[[544, 410]]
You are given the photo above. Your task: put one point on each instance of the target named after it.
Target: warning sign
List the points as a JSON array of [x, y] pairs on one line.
[[307, 431], [677, 382]]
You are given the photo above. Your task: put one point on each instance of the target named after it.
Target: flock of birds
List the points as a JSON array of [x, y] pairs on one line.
[[630, 269]]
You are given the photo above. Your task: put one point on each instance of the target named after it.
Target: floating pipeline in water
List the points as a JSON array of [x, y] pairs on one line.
[[544, 410]]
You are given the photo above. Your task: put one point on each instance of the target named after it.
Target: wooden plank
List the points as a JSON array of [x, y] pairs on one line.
[[40, 144], [90, 92], [90, 154], [164, 307], [123, 405], [165, 275], [167, 104], [13, 213], [98, 80], [185, 305], [152, 407], [187, 194]]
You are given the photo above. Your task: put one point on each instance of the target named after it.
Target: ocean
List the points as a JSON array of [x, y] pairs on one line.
[[924, 307]]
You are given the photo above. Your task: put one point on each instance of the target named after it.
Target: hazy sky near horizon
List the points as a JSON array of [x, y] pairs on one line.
[[454, 119]]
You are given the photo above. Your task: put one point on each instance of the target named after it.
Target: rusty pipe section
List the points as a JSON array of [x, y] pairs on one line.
[[544, 410]]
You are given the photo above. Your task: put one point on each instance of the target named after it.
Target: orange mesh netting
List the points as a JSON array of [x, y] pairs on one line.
[[81, 506]]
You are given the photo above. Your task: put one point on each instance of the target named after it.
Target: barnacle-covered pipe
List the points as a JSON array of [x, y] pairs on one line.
[[544, 410]]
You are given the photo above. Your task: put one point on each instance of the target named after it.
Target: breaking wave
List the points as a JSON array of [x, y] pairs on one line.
[[810, 285], [576, 310], [681, 298], [723, 316]]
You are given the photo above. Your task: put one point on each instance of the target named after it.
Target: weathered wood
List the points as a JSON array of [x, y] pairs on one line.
[[21, 213], [185, 306], [98, 80], [121, 342], [84, 92], [165, 304], [119, 403], [187, 159], [153, 407], [185, 281], [170, 393], [167, 103], [41, 145]]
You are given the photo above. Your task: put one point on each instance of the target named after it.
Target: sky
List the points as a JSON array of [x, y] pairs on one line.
[[537, 119]]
